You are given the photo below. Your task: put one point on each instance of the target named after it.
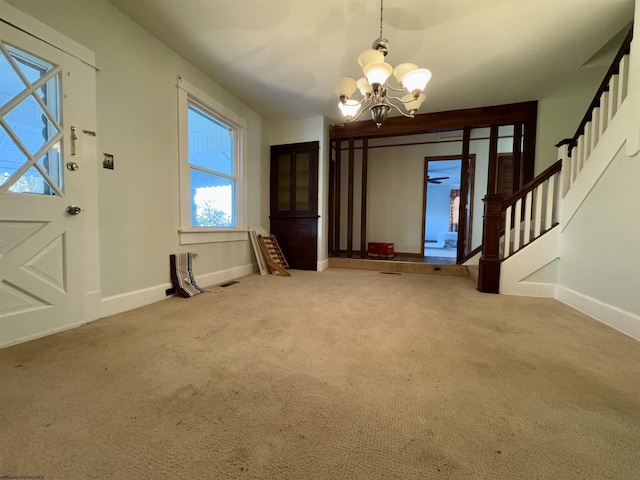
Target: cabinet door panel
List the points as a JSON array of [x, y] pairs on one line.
[[298, 239]]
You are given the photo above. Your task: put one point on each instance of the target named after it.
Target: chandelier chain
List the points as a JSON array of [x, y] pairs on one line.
[[381, 2]]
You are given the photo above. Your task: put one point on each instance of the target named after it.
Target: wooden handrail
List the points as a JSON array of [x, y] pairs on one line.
[[604, 86], [527, 187]]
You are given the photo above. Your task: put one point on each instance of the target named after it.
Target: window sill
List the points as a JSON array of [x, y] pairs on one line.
[[190, 237]]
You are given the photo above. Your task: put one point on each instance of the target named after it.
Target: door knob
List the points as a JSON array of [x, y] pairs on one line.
[[73, 210]]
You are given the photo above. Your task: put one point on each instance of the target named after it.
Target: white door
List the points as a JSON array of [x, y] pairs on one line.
[[41, 181]]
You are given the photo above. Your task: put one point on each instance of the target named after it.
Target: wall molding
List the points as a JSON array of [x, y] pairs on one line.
[[139, 298], [621, 320], [45, 33]]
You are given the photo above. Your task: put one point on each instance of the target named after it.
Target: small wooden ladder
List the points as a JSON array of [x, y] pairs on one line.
[[273, 255]]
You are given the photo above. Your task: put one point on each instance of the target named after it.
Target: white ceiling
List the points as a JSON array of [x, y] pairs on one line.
[[281, 56]]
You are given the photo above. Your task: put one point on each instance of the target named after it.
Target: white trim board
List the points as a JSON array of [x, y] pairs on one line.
[[621, 320], [139, 298], [45, 33]]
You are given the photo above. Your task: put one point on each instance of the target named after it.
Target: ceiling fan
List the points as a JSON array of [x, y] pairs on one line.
[[436, 179]]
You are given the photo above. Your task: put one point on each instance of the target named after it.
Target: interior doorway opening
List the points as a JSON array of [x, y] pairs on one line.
[[445, 194]]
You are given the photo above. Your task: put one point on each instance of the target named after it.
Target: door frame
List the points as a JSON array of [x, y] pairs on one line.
[[464, 223]]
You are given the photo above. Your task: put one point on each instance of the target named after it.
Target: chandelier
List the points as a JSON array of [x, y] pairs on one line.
[[374, 88]]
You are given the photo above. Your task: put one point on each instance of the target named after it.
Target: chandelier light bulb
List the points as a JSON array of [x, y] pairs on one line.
[[344, 87], [349, 108], [416, 80], [370, 56], [413, 104], [378, 72], [364, 86], [401, 70]]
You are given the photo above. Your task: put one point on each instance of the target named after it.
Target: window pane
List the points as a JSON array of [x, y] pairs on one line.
[[31, 124], [210, 143], [34, 124], [302, 181], [11, 84], [11, 157], [52, 164], [31, 182], [212, 200], [284, 183]]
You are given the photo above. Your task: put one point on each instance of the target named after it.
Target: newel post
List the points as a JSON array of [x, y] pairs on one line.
[[489, 267]]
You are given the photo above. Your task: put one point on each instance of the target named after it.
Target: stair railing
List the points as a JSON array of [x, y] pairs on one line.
[[512, 223], [531, 211], [601, 111]]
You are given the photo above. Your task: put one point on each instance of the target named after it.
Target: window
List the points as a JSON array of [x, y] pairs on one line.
[[212, 160], [30, 130]]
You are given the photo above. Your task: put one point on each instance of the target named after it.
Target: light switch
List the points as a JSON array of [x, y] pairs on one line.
[[107, 161]]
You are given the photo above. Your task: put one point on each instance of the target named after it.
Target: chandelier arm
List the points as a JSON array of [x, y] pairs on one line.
[[395, 89], [408, 115], [364, 104], [400, 99]]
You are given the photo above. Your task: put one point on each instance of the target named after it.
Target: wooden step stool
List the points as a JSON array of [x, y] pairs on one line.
[[273, 255]]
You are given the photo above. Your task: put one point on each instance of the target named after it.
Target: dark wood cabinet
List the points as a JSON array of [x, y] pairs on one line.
[[294, 202]]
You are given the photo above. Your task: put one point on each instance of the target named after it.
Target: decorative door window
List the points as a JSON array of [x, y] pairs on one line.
[[30, 132]]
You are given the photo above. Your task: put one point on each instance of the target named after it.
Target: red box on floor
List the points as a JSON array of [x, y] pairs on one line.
[[380, 250]]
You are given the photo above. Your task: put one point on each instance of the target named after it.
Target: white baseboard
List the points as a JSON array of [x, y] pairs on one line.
[[130, 300], [323, 265], [45, 333], [623, 321], [139, 298], [530, 289], [214, 278]]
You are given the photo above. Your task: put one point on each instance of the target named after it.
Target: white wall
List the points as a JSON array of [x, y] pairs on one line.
[[558, 119], [137, 123], [599, 249], [597, 266], [395, 191]]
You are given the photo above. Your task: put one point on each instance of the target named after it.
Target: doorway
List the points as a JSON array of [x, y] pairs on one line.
[[443, 198], [46, 183]]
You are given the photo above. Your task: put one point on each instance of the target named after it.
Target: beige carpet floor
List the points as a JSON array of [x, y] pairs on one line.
[[336, 375]]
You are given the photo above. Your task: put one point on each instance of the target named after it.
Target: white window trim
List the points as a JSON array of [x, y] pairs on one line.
[[189, 235]]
